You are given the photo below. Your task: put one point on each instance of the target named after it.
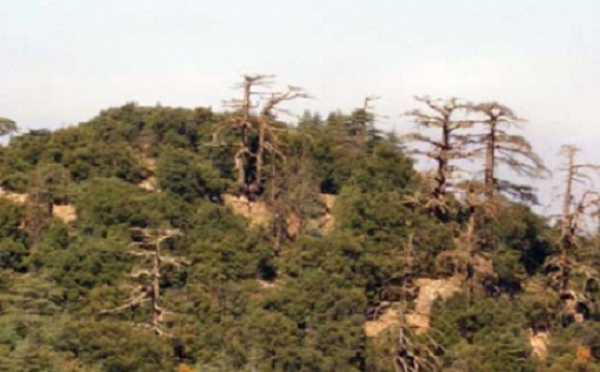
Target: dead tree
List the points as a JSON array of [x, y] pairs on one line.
[[268, 130], [245, 105], [271, 147], [148, 274], [241, 125], [294, 194], [257, 132], [500, 147], [416, 352], [468, 258], [575, 209], [477, 210], [408, 274], [444, 149]]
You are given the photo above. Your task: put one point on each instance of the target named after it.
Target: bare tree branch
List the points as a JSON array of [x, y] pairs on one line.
[[450, 145], [150, 249], [501, 147]]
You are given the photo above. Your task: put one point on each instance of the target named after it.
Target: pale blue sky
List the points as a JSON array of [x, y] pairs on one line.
[[62, 61]]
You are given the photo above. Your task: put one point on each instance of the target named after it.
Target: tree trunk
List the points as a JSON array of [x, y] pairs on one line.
[[260, 152], [567, 221], [443, 163], [278, 218], [246, 104], [470, 237], [408, 269], [490, 162], [240, 166], [156, 318]]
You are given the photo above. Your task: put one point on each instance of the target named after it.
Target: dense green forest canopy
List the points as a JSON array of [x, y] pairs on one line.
[[163, 239]]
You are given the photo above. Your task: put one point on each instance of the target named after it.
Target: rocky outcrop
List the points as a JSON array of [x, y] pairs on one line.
[[539, 344], [149, 184], [429, 291], [14, 197], [256, 212], [65, 212], [259, 215], [389, 319]]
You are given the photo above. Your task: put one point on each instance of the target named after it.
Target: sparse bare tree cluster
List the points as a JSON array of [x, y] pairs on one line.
[[454, 134], [457, 136], [260, 153], [258, 129]]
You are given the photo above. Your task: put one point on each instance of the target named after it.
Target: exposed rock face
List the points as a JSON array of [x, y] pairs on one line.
[[259, 215], [266, 284], [430, 290], [65, 212], [388, 320], [256, 212], [149, 184], [327, 221], [539, 344], [149, 164], [477, 267], [14, 197]]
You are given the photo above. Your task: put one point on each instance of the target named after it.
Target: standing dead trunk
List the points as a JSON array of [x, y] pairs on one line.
[[444, 158], [567, 223], [568, 195], [278, 220], [261, 150], [574, 210], [149, 289], [240, 164], [443, 150], [471, 239], [155, 296], [501, 148], [571, 216], [490, 161], [408, 268], [250, 173], [243, 126], [249, 81]]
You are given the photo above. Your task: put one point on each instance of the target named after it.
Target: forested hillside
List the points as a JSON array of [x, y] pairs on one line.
[[172, 239]]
